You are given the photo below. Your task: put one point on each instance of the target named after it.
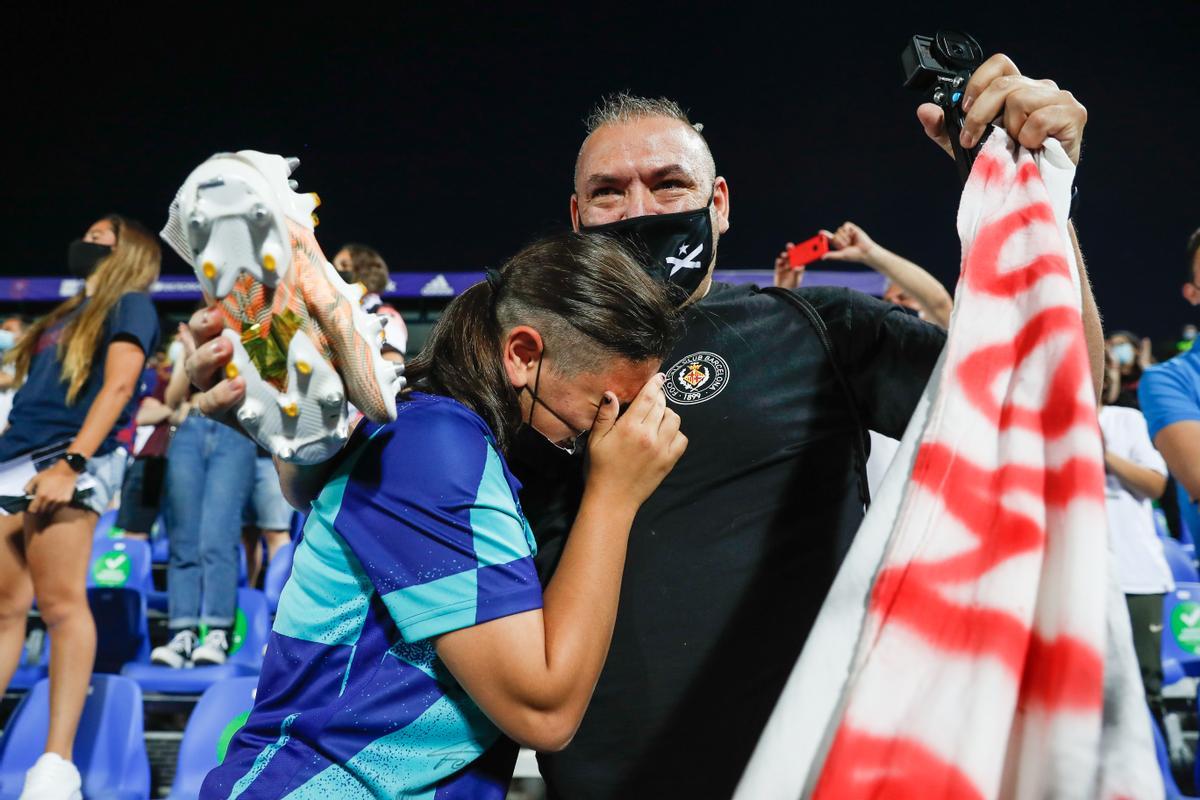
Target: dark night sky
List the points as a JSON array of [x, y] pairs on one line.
[[446, 137]]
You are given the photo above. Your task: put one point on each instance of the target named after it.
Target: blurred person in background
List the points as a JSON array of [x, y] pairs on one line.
[[1170, 399], [77, 369], [1135, 476], [11, 331], [267, 519], [1133, 355], [209, 479], [909, 285], [145, 478], [358, 263]]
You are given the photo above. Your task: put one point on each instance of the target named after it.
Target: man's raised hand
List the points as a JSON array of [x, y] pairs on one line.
[[1030, 110]]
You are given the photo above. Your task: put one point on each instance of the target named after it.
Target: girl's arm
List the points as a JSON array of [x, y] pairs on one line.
[[152, 412], [533, 673], [1141, 481], [55, 486]]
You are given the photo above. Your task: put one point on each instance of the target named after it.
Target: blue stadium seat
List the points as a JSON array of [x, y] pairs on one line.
[[1182, 566], [242, 571], [246, 659], [118, 580], [33, 665], [1172, 671], [279, 569], [1186, 535], [105, 524], [221, 711], [1164, 764], [160, 547], [1181, 628], [110, 750], [298, 520]]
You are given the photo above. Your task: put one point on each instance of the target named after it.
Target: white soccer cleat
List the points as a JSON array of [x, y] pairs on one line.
[[232, 210], [301, 340]]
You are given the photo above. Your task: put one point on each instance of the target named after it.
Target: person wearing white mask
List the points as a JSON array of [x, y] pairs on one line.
[[10, 331]]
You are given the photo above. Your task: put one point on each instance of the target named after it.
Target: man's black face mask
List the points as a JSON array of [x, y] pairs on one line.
[[676, 249]]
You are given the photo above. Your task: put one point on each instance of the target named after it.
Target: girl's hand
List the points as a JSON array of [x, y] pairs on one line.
[[630, 455], [52, 489]]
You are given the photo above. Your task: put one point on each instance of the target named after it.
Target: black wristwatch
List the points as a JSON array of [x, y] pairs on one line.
[[76, 462]]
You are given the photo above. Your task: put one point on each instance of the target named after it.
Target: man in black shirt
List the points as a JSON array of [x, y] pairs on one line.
[[730, 559]]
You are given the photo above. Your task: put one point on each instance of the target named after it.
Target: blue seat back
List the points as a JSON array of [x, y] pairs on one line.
[[1182, 567], [118, 580], [105, 524], [109, 751], [297, 530], [221, 710], [252, 607], [279, 568], [243, 571], [1181, 627], [120, 563], [160, 545]]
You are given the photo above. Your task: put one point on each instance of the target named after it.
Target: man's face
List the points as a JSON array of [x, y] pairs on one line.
[[653, 165], [897, 296], [1191, 291]]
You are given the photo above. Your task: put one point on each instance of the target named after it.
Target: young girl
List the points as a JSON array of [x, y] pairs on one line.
[[413, 634], [79, 366]]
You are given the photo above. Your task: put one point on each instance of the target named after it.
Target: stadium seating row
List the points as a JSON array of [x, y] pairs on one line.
[[110, 749]]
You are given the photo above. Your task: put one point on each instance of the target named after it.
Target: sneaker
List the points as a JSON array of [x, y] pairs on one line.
[[300, 338], [177, 652], [52, 777], [215, 649]]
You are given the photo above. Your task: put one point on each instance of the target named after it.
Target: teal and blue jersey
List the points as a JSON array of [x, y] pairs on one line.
[[417, 533]]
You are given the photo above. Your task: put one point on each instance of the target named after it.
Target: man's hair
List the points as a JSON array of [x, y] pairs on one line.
[[622, 107], [619, 108], [1192, 246]]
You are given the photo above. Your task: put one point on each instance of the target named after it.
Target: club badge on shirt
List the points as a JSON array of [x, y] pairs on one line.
[[696, 378]]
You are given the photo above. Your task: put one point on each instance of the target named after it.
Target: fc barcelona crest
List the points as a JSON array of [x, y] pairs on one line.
[[696, 378]]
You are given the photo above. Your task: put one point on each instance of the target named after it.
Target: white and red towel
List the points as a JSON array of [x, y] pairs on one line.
[[974, 643]]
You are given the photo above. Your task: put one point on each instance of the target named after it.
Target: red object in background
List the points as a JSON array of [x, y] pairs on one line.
[[808, 251]]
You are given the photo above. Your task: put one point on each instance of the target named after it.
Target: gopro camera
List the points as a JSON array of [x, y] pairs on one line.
[[940, 66]]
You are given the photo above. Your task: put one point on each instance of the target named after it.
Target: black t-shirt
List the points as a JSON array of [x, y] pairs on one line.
[[730, 560]]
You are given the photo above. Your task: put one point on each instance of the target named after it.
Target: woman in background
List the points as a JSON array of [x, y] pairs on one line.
[[77, 368]]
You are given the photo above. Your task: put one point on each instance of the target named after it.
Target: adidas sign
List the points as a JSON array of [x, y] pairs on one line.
[[438, 287]]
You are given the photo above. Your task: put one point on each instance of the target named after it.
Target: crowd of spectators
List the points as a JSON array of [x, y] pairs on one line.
[[88, 391]]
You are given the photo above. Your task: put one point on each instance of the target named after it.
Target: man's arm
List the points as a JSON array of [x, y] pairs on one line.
[[1179, 444], [1031, 111], [1093, 330]]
